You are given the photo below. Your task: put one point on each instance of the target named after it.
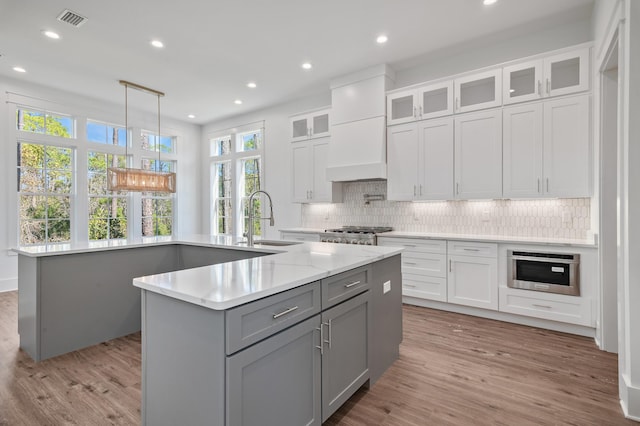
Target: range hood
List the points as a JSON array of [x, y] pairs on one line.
[[358, 148]]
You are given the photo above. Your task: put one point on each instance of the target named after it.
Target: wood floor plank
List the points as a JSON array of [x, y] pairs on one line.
[[453, 370]]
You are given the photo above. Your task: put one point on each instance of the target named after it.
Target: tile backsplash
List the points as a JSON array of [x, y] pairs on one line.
[[552, 218]]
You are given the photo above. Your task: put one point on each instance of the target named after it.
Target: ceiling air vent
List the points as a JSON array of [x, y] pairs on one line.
[[71, 18]]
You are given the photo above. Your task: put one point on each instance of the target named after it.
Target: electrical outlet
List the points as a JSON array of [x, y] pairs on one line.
[[386, 287], [486, 216], [566, 217]]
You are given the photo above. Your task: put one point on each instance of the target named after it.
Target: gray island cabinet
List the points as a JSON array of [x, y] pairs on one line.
[[71, 299], [292, 357]]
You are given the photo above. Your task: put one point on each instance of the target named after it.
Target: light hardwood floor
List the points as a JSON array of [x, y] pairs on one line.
[[453, 370]]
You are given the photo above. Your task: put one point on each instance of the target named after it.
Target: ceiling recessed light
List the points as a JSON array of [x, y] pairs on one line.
[[19, 69], [252, 85], [307, 66], [191, 116], [382, 39], [488, 2], [237, 102], [157, 43], [51, 34]]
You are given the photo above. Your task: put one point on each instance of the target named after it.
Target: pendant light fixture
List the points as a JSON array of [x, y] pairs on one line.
[[140, 180]]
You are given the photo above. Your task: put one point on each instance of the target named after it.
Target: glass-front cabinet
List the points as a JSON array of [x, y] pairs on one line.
[[311, 125], [478, 91], [421, 103], [555, 75]]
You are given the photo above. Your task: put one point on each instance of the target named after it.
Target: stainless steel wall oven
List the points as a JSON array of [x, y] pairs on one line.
[[541, 271]]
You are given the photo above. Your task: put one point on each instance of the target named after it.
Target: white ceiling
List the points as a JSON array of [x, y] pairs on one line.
[[213, 48]]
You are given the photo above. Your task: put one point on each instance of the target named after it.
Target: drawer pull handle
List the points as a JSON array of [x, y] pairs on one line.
[[285, 312], [410, 263], [409, 245], [408, 286], [542, 306], [351, 284], [470, 249]]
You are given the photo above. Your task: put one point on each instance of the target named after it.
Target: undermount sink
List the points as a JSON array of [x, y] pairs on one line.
[[273, 243]]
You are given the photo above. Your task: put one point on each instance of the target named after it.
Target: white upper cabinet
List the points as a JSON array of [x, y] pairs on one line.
[[478, 91], [420, 161], [547, 149], [424, 102], [310, 184], [555, 75], [522, 151], [567, 142], [478, 155], [310, 125]]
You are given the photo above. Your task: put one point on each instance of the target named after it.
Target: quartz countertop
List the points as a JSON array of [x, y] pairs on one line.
[[226, 285], [586, 242]]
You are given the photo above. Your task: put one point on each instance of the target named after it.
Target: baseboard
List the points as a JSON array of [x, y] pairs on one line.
[[503, 316], [8, 284], [629, 398]]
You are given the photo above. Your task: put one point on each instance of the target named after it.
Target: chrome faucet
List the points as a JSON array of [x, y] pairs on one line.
[[249, 232]]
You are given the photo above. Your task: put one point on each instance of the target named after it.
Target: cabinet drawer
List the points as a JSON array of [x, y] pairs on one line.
[[467, 248], [250, 323], [343, 286], [415, 245], [430, 264], [299, 236], [432, 288], [569, 309]]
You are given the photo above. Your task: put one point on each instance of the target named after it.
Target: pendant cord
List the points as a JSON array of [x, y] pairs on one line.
[[158, 168], [126, 126]]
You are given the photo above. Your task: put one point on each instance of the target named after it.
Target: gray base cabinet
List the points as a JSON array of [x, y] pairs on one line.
[[345, 355], [292, 358], [277, 381]]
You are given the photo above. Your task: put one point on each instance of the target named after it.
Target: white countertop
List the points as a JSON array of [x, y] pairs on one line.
[[587, 242], [226, 285], [493, 238]]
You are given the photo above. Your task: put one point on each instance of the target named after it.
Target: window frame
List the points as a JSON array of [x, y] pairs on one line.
[[234, 157]]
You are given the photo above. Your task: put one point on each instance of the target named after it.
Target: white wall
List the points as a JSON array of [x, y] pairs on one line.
[[490, 51], [188, 204], [277, 158]]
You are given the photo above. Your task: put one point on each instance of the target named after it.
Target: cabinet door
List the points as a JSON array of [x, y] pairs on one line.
[[473, 281], [478, 91], [345, 359], [321, 188], [522, 82], [320, 124], [435, 100], [300, 128], [301, 164], [402, 107], [478, 155], [277, 381], [435, 159], [567, 147], [567, 73], [522, 145], [402, 162]]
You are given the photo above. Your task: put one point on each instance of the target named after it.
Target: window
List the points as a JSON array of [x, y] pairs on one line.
[[107, 210], [236, 172], [44, 187], [45, 123], [157, 207], [151, 142], [106, 134]]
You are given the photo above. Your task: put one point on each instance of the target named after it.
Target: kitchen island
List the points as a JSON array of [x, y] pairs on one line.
[[264, 335]]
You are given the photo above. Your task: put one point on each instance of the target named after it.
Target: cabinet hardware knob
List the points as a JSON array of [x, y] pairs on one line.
[[414, 112], [548, 86], [285, 312], [547, 184], [420, 190], [539, 88], [420, 110], [450, 266], [538, 185], [351, 284], [457, 188], [457, 104], [414, 190]]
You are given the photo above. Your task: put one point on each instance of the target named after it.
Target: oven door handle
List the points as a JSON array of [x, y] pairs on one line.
[[546, 259]]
